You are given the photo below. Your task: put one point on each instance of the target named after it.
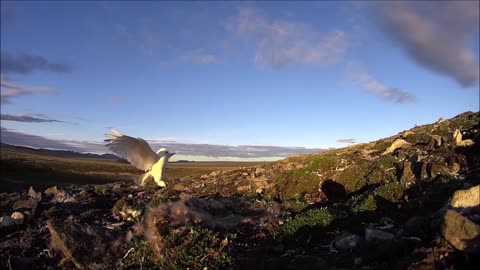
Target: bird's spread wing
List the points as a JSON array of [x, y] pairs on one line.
[[135, 150]]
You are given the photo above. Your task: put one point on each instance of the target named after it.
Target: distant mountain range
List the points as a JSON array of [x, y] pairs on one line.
[[57, 153]]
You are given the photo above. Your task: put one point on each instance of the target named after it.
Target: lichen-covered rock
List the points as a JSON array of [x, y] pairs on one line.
[[461, 232], [457, 136], [407, 175], [466, 198], [465, 143], [398, 143], [51, 190]]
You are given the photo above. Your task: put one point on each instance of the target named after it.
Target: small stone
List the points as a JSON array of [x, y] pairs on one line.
[[214, 173], [51, 190], [259, 190], [17, 218], [374, 235], [6, 221], [179, 187], [347, 242], [34, 195], [259, 171]]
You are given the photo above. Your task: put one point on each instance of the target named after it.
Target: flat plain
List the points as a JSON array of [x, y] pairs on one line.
[[20, 169]]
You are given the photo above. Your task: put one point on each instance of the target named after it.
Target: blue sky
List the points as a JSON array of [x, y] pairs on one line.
[[303, 74]]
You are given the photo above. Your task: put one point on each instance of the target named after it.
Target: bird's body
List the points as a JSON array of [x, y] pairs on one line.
[[139, 154]]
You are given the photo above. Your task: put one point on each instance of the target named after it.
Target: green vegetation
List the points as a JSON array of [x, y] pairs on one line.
[[320, 217], [187, 247]]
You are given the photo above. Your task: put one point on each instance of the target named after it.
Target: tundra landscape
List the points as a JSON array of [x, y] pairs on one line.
[[225, 135], [409, 201]]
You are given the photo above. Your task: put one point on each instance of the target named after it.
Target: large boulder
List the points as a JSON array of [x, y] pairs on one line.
[[457, 227]]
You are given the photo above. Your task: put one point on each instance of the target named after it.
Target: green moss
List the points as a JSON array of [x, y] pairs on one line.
[[392, 192], [382, 145], [364, 203], [311, 218], [418, 138]]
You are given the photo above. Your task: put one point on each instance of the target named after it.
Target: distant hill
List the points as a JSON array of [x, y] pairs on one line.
[[56, 153]]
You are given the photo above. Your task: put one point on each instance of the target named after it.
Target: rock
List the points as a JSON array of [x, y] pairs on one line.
[[25, 205], [464, 143], [130, 214], [435, 141], [6, 221], [61, 196], [179, 187], [243, 188], [407, 175], [398, 143], [461, 232], [457, 136], [466, 198], [259, 171], [417, 226], [347, 242], [406, 134], [34, 195], [374, 235], [17, 218], [214, 173], [51, 190], [436, 169], [421, 170]]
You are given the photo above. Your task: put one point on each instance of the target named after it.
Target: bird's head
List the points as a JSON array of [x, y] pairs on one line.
[[164, 152]]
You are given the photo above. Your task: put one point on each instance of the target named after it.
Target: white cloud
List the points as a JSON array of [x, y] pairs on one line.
[[362, 78], [279, 43]]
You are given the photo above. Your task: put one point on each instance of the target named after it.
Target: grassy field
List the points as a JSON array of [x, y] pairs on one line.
[[19, 170]]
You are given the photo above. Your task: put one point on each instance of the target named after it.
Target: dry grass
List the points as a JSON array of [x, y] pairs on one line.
[[19, 170]]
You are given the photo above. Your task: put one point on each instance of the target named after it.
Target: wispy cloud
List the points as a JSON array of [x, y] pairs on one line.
[[363, 79], [28, 118], [9, 90], [24, 63], [192, 150], [436, 35], [282, 42], [350, 141], [198, 57], [115, 99]]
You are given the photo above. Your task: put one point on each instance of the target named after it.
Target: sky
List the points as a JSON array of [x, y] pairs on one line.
[[233, 80]]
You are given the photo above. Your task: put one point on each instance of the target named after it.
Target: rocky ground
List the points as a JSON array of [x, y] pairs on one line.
[[410, 201]]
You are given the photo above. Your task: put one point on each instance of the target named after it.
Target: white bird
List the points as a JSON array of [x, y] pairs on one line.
[[139, 154]]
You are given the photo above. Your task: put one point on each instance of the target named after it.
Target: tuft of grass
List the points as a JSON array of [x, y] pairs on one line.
[[364, 204], [320, 217], [392, 192]]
